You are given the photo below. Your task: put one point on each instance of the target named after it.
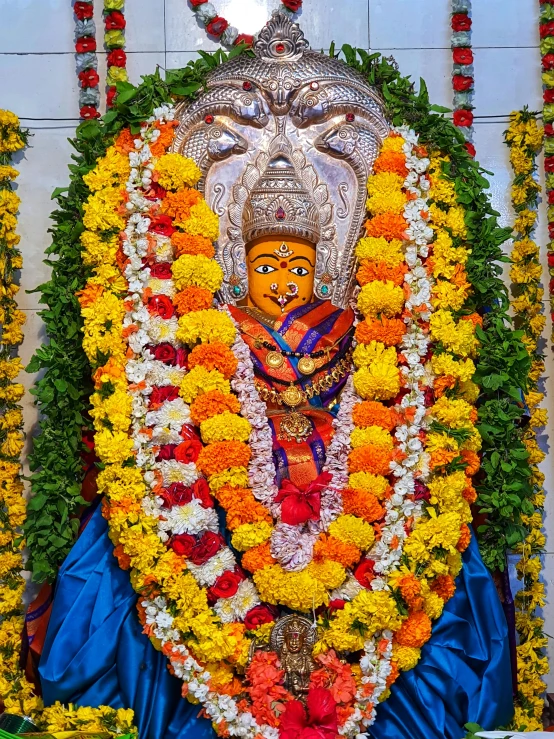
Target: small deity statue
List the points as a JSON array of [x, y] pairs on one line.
[[293, 638]]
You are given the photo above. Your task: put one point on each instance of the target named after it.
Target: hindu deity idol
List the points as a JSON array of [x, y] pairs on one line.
[[326, 608]]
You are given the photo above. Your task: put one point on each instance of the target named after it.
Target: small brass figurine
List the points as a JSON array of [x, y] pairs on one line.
[[293, 638]]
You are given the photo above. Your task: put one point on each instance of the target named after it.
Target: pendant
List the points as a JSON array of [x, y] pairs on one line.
[[296, 426], [274, 360], [306, 365], [292, 396]]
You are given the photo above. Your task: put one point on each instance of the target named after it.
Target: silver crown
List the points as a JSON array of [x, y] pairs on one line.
[[279, 204]]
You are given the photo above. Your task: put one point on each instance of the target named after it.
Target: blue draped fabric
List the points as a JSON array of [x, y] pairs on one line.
[[96, 654]]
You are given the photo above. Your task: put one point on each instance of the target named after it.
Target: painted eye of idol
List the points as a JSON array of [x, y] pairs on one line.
[[300, 271], [265, 269]]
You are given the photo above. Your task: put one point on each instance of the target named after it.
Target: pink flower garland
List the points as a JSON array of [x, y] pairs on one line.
[[462, 73]]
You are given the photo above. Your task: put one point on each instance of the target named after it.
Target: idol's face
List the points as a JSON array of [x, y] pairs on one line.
[[280, 274]]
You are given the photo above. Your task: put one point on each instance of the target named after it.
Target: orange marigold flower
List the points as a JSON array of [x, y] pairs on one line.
[[162, 144], [112, 369], [389, 331], [444, 586], [472, 461], [328, 547], [370, 271], [258, 557], [125, 141], [363, 504], [89, 294], [442, 384], [123, 559], [469, 492], [370, 458], [211, 404], [459, 278], [191, 299], [391, 161], [465, 538], [178, 204], [441, 458], [221, 455], [214, 356], [188, 244], [393, 674], [475, 319], [373, 413], [389, 225], [241, 507], [415, 631], [410, 589]]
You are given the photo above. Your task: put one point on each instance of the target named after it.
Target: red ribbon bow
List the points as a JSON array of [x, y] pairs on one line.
[[319, 723], [301, 504]]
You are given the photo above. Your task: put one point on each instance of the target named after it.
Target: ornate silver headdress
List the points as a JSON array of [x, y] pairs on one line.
[[286, 120]]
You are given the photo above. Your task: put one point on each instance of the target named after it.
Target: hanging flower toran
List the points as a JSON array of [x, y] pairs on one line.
[[114, 41], [86, 59], [228, 35], [462, 71]]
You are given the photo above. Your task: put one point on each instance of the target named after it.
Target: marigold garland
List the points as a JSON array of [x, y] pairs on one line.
[[524, 138], [546, 29]]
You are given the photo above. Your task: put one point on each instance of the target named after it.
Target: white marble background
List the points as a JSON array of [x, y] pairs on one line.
[[38, 82]]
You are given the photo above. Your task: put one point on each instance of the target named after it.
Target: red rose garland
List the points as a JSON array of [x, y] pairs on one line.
[[114, 41], [547, 53], [462, 74], [219, 27], [87, 62]]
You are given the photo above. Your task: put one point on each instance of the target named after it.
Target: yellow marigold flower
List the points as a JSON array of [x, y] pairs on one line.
[[377, 610], [521, 162], [375, 484], [378, 249], [11, 419], [378, 298], [97, 250], [393, 143], [201, 222], [101, 211], [438, 531], [405, 657], [458, 338], [445, 364], [433, 606], [525, 221], [385, 193], [365, 354], [250, 535], [442, 190], [453, 412], [112, 170], [539, 417], [437, 442], [469, 391], [9, 202], [235, 477], [297, 590], [12, 393], [10, 368], [200, 380], [7, 172], [537, 324], [225, 426], [353, 531], [12, 444], [330, 574], [371, 435], [176, 171], [524, 248], [379, 381], [447, 494], [523, 274], [206, 325], [198, 270], [113, 447], [449, 295]]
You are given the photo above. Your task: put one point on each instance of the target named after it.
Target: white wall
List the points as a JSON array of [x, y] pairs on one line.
[[38, 82]]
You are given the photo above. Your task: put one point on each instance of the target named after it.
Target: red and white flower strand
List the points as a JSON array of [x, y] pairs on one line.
[[86, 59], [462, 73]]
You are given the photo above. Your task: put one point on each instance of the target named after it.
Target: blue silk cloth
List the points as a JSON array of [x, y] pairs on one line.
[[95, 653]]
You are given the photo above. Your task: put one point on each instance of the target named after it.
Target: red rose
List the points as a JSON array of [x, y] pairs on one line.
[[84, 44], [196, 3], [117, 58], [83, 10], [364, 573], [155, 192], [244, 38], [470, 149], [549, 163], [548, 96], [167, 451], [205, 549], [111, 96], [89, 78], [336, 605], [462, 55], [461, 22], [259, 615], [216, 26], [183, 544], [165, 353], [461, 82], [188, 432], [201, 491], [160, 305], [551, 260], [162, 225], [176, 494], [463, 117], [421, 491], [181, 358], [225, 586], [89, 111], [548, 61], [548, 129], [551, 197], [551, 231], [188, 451], [546, 29], [115, 21], [293, 5], [161, 270], [162, 394]]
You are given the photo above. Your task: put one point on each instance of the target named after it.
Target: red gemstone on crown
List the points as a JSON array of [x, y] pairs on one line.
[[280, 214], [279, 48], [209, 119], [247, 85], [314, 85], [350, 117]]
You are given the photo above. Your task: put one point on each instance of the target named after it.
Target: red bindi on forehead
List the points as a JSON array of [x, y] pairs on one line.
[[283, 264]]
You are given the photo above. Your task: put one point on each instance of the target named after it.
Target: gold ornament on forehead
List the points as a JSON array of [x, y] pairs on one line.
[[283, 251]]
